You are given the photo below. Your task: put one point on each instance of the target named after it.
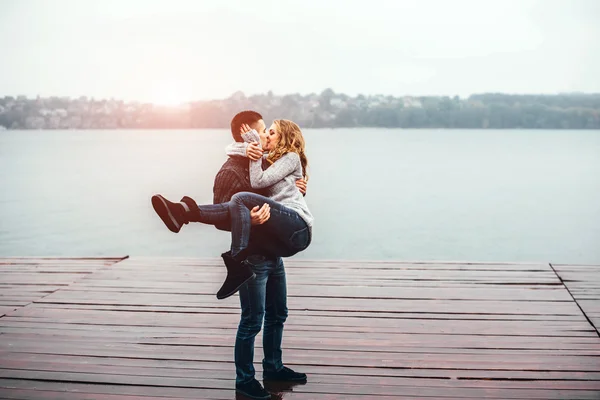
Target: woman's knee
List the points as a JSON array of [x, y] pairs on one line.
[[247, 199], [238, 197]]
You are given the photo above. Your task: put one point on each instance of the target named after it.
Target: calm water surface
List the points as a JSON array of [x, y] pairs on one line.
[[375, 193]]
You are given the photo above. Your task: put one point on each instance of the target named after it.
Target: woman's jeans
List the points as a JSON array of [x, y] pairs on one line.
[[284, 234]]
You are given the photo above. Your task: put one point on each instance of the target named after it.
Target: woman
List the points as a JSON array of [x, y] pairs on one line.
[[289, 228]]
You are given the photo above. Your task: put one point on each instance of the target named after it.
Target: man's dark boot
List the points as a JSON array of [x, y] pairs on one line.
[[252, 390], [172, 214], [284, 375], [192, 212], [238, 273]]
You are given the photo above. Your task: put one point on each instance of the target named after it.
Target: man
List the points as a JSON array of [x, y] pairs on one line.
[[265, 297]]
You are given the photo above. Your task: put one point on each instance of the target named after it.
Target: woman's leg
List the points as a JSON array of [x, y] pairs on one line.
[[175, 215], [213, 213], [284, 234]]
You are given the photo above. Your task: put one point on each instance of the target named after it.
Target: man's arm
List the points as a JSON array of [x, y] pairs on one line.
[[259, 216]]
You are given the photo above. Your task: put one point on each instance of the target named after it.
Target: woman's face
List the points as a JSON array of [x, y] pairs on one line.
[[272, 137]]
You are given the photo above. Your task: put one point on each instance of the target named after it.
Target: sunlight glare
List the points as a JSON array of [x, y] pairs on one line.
[[169, 94]]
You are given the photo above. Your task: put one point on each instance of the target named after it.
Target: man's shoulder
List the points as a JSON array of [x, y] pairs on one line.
[[233, 173], [235, 162], [232, 178]]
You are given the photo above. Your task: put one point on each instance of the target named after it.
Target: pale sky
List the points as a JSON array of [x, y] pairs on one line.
[[179, 50]]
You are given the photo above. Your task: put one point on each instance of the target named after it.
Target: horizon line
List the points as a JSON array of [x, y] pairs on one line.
[[241, 93]]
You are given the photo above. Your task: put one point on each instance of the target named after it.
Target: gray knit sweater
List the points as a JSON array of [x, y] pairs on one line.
[[279, 179]]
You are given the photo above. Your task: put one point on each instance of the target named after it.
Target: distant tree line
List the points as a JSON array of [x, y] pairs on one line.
[[325, 110]]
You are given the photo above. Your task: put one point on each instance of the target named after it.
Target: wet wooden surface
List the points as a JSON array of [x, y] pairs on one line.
[[152, 328]]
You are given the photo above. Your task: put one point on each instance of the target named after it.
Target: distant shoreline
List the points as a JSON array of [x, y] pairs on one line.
[[304, 128], [325, 110]]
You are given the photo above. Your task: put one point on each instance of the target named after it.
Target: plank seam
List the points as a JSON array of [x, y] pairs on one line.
[[575, 300]]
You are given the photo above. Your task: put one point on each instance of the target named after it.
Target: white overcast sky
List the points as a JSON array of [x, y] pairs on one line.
[[200, 49]]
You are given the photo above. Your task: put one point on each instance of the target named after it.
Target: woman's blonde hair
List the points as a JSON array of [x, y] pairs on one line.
[[290, 140]]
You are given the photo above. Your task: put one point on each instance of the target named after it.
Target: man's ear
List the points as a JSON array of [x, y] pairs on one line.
[[258, 125]]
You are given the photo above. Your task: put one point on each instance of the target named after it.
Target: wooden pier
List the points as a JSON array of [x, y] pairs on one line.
[[151, 328]]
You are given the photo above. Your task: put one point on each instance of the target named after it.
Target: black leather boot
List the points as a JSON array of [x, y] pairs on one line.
[[172, 214], [252, 390], [238, 273]]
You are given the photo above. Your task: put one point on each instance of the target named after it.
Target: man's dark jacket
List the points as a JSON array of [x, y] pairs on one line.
[[233, 177]]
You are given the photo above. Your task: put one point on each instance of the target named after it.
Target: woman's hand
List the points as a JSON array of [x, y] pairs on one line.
[[245, 128], [253, 151]]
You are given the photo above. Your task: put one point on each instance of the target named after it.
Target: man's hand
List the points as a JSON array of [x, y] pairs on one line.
[[260, 216], [253, 151], [301, 185]]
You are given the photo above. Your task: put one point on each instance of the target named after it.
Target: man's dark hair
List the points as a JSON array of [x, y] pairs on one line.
[[244, 117]]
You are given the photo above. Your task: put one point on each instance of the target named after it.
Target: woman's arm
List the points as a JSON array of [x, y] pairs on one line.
[[281, 168], [236, 149], [251, 136], [241, 149]]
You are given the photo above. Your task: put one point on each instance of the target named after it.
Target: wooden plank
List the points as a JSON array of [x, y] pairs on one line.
[[327, 357], [33, 394], [438, 345], [554, 294], [414, 327], [185, 388], [463, 375], [317, 340], [314, 377], [340, 304], [92, 391], [561, 342], [402, 274], [337, 313], [106, 317]]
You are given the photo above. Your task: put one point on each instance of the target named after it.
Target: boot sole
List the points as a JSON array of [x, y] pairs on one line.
[[275, 380], [162, 209], [221, 297], [252, 397]]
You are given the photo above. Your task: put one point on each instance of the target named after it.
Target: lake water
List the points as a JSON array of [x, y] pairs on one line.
[[378, 194]]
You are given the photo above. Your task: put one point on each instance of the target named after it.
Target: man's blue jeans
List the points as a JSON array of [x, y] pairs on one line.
[[284, 234], [265, 296]]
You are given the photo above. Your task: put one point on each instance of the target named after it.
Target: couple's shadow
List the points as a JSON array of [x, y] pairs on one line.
[[278, 390]]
